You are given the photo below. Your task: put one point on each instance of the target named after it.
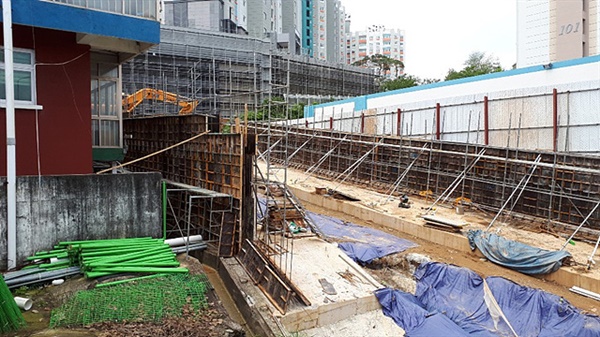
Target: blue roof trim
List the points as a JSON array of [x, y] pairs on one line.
[[58, 16], [360, 103], [513, 72]]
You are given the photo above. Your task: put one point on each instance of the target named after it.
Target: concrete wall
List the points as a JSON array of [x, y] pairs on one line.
[[81, 207]]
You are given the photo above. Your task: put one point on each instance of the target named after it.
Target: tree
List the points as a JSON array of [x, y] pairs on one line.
[[405, 81], [382, 63], [478, 63], [278, 110]]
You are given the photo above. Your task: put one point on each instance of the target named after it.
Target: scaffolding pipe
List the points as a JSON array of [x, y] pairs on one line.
[[580, 225], [527, 176], [489, 157], [11, 142], [355, 165], [403, 175], [456, 181]]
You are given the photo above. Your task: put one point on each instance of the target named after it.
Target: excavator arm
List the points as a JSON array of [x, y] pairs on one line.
[[130, 102]]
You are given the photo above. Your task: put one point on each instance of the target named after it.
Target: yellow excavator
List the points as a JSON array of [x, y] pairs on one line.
[[131, 101]]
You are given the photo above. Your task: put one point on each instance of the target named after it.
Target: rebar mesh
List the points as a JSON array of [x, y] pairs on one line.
[[148, 300]]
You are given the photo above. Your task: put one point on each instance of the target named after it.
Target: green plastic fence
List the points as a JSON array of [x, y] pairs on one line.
[[144, 300]]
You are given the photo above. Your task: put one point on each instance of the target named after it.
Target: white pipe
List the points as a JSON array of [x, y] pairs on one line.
[[183, 240], [11, 166], [24, 303]]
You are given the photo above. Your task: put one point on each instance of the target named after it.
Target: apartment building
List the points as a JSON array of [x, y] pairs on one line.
[[556, 30], [229, 16], [265, 17], [375, 40], [328, 30]]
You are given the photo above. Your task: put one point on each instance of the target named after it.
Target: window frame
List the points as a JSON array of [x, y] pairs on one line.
[[23, 67], [97, 116]]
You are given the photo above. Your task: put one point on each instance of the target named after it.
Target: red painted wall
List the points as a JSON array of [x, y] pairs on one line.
[[64, 123]]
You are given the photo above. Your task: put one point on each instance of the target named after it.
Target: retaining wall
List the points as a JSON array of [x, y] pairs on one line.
[[81, 207]]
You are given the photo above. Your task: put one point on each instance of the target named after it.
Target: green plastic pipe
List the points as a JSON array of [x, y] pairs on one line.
[[164, 209], [110, 252], [67, 243], [108, 284], [125, 257], [142, 270], [137, 264], [47, 256]]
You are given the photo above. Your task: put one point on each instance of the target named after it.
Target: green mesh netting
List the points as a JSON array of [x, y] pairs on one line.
[[148, 300]]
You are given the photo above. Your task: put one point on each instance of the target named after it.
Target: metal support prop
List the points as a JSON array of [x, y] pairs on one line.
[[356, 164], [261, 155], [526, 179], [311, 169], [579, 227], [591, 258], [456, 181], [403, 175]]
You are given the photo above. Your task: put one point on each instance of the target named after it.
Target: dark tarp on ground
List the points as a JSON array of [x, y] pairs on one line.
[[409, 314], [531, 312], [362, 244], [458, 294], [516, 255]]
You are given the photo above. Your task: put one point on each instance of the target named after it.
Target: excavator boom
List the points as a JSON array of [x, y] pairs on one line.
[[130, 102]]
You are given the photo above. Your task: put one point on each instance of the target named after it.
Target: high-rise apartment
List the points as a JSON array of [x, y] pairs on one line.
[[228, 16], [328, 30], [375, 40], [307, 27], [264, 17], [556, 30]]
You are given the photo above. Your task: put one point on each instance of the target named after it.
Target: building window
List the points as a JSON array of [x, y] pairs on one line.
[[106, 105], [24, 75]]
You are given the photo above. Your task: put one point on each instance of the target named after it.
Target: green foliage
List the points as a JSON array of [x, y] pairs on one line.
[[278, 108], [382, 63], [405, 81], [477, 64]]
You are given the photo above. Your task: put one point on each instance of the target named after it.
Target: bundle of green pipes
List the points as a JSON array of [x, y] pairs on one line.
[[106, 257], [10, 315]]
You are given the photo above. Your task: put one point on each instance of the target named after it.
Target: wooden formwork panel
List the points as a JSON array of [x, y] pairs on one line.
[[213, 162]]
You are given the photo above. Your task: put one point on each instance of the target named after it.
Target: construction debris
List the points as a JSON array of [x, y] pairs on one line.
[[443, 224], [585, 292]]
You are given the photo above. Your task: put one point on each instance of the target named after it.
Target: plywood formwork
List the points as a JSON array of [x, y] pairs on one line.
[[215, 162], [563, 189]]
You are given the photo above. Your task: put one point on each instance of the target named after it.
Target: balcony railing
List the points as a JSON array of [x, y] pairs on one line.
[[141, 8]]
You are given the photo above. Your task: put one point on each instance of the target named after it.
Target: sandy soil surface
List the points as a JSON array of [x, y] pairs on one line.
[[475, 219]]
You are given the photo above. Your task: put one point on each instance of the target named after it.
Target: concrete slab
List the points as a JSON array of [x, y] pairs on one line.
[[315, 260]]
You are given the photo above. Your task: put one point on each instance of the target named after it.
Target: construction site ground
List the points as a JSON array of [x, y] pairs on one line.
[[392, 270], [217, 320]]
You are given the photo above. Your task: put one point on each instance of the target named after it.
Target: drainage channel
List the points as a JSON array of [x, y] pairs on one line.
[[226, 300]]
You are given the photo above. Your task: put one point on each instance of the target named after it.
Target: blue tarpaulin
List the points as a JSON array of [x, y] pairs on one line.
[[516, 255], [362, 244], [409, 314], [458, 294]]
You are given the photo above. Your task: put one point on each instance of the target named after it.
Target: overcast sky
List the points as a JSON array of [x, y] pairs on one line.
[[440, 34]]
